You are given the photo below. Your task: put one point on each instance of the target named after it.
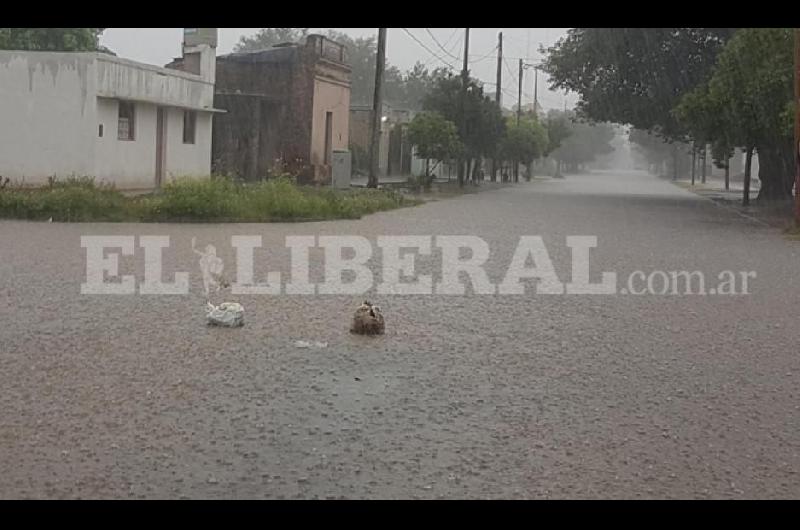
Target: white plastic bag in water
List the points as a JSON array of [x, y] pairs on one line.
[[228, 314], [308, 344]]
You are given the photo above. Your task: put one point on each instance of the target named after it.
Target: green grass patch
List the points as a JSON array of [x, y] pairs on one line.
[[195, 200]]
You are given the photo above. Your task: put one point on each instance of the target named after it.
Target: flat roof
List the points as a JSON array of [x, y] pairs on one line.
[[153, 68], [161, 103]]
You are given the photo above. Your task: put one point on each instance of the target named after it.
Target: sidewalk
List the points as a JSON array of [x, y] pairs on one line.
[[776, 214], [361, 182], [715, 189]]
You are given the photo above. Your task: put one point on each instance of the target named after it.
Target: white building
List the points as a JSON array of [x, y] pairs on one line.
[[93, 114]]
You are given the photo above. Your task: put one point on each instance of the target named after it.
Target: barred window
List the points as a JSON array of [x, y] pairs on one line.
[[127, 121]]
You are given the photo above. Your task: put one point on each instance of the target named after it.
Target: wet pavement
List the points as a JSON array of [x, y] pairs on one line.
[[474, 396]]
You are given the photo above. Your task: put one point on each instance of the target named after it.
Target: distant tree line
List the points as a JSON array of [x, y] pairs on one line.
[[52, 39], [725, 88]]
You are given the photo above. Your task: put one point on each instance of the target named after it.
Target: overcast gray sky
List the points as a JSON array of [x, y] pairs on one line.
[[160, 45]]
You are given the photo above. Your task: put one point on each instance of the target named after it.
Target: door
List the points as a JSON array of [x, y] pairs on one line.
[[161, 145], [328, 138]]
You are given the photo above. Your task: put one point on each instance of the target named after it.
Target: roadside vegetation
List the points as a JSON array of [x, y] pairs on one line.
[[217, 199]]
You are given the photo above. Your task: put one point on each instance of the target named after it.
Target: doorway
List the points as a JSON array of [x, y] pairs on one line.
[[161, 145], [328, 138]]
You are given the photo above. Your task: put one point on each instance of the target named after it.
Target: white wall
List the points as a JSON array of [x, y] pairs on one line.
[[132, 164], [188, 160], [127, 164], [47, 115], [50, 114]]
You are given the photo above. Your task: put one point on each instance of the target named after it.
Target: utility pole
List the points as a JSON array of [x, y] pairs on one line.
[[463, 124], [519, 96], [498, 92], [797, 126], [536, 89], [377, 110], [519, 112]]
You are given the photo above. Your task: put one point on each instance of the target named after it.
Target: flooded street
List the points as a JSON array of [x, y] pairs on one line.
[[474, 396]]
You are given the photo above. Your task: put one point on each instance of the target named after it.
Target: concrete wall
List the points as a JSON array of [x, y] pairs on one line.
[[333, 98], [188, 160], [128, 164], [48, 122], [132, 164], [50, 116], [120, 78]]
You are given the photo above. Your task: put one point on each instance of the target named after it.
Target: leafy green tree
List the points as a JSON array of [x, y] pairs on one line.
[[524, 142], [51, 39], [483, 127], [434, 137], [408, 91], [747, 103], [634, 76], [707, 121], [655, 151], [558, 129], [582, 141], [753, 85]]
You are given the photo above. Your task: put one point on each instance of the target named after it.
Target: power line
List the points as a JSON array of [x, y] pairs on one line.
[[487, 56], [427, 49], [455, 46], [510, 71], [439, 44], [451, 36], [459, 41]]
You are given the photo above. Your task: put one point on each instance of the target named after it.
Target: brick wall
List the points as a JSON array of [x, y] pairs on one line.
[[269, 97]]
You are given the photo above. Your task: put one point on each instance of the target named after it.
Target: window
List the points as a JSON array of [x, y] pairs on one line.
[[189, 125], [127, 121]]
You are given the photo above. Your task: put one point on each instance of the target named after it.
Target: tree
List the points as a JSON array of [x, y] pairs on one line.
[[558, 129], [524, 142], [747, 103], [484, 123], [51, 39], [269, 37], [707, 121], [634, 76], [753, 85], [434, 137], [580, 142], [662, 156], [409, 90]]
